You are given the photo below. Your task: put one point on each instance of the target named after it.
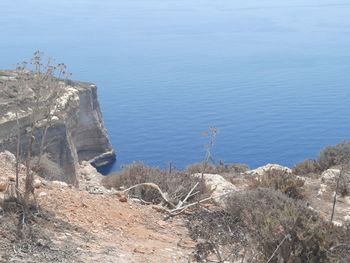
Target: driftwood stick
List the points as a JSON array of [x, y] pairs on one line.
[[154, 186], [187, 196], [200, 201]]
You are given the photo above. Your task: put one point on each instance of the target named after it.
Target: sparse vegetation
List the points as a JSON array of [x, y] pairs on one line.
[[307, 167], [334, 155], [268, 221], [38, 84], [288, 184], [175, 184], [220, 168], [256, 222]]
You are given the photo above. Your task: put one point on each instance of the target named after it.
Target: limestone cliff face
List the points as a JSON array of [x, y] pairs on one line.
[[90, 138], [76, 134]]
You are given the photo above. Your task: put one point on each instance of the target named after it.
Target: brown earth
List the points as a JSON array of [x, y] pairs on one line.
[[72, 225], [86, 227]]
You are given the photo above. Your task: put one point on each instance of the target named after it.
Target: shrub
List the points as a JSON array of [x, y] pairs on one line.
[[176, 185], [306, 167], [270, 216], [334, 155], [278, 180], [221, 168], [198, 168], [344, 183], [218, 233], [257, 221], [49, 169], [238, 168]]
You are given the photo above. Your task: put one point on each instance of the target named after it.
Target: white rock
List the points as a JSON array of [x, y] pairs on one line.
[[218, 185], [336, 223], [37, 183], [41, 194], [58, 183], [347, 218], [269, 167], [322, 190]]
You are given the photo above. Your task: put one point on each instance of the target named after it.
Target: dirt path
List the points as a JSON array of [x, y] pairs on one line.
[[117, 231]]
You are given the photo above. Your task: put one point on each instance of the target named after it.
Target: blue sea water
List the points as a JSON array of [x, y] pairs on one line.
[[273, 76]]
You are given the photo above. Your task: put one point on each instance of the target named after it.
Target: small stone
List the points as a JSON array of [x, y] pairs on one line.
[[37, 183], [336, 223], [64, 237], [123, 199], [3, 186], [59, 183], [41, 194]]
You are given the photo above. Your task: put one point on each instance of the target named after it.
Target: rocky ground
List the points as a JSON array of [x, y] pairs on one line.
[[73, 225], [93, 224]]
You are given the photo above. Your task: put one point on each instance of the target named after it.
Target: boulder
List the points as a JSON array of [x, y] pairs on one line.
[[269, 167], [218, 186]]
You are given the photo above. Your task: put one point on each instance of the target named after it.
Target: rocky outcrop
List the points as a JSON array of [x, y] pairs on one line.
[[77, 132], [268, 168], [218, 186]]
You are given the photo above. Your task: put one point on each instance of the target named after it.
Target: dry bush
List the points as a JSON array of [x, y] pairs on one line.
[[238, 168], [334, 155], [288, 184], [257, 221], [49, 169], [221, 168], [270, 216], [344, 184], [198, 168], [176, 184], [306, 167], [218, 234]]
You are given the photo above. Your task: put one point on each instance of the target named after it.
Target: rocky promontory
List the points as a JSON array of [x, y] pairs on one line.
[[76, 132]]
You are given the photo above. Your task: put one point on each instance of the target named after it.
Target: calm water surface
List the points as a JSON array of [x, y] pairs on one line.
[[273, 76]]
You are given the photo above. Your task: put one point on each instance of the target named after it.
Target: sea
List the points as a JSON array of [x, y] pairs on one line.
[[272, 76]]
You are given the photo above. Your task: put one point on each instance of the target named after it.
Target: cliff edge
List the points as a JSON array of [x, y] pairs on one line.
[[76, 133]]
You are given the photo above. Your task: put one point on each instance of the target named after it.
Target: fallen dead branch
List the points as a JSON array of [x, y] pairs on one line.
[[187, 196], [200, 201], [151, 185], [180, 210]]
